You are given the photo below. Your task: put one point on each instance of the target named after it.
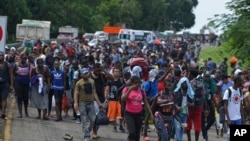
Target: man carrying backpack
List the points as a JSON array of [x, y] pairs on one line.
[[233, 103], [195, 111], [208, 112]]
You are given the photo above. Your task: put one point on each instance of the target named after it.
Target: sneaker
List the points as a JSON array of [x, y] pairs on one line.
[[122, 129], [78, 121], [115, 129]]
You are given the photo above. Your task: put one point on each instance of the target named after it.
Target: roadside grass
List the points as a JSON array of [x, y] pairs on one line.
[[217, 54]]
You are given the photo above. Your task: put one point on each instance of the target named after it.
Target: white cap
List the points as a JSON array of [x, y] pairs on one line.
[[13, 48], [237, 71]]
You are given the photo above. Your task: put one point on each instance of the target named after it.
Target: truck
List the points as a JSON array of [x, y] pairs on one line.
[[67, 32], [113, 32], [33, 29]]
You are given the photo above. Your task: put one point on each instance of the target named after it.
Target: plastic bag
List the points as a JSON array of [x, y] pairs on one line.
[[101, 118], [64, 102]]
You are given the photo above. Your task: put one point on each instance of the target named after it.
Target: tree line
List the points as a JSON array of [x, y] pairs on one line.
[[236, 27], [92, 15]]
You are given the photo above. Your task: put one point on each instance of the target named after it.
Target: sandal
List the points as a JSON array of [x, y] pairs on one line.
[[68, 137], [95, 136]]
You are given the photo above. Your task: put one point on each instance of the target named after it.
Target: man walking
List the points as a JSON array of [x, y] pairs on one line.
[[85, 93], [6, 83]]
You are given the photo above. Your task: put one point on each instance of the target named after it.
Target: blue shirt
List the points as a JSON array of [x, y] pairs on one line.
[[57, 79], [224, 86], [151, 88]]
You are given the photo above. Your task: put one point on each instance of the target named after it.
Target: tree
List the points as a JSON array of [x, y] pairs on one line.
[[16, 11], [236, 26]]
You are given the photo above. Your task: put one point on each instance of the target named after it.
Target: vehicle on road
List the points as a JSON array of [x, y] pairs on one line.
[[88, 36], [33, 29], [67, 32], [101, 35]]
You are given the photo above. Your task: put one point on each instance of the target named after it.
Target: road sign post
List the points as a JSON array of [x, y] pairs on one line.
[[3, 32]]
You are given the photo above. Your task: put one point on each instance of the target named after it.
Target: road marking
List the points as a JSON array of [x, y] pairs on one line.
[[7, 128]]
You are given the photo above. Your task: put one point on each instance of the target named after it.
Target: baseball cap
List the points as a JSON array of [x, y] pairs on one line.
[[84, 70], [207, 73], [13, 48], [237, 71]]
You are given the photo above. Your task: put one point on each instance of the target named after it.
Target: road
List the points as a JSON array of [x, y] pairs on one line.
[[31, 129]]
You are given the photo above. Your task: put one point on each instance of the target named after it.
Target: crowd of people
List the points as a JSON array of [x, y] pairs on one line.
[[136, 84]]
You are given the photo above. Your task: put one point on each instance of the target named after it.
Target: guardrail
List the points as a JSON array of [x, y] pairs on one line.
[[59, 41]]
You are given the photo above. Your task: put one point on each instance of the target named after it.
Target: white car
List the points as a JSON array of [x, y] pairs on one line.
[[93, 43], [100, 35]]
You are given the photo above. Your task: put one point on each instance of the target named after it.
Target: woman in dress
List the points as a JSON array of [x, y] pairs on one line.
[[40, 80]]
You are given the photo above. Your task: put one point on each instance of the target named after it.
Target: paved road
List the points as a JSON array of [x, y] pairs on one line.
[[31, 129]]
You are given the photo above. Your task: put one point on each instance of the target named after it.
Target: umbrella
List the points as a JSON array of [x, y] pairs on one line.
[[157, 42]]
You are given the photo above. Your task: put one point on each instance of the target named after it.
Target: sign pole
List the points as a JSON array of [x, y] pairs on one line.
[[3, 32]]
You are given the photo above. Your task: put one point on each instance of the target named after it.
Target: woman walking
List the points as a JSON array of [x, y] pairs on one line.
[[134, 97], [21, 84], [40, 80]]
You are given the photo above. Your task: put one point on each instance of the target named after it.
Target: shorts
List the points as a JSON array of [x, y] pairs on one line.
[[114, 110], [58, 94], [4, 90], [194, 117]]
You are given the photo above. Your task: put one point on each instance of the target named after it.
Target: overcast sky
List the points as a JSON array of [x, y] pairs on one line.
[[206, 9]]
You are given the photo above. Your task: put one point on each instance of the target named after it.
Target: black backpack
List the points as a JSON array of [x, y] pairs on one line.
[[221, 103], [198, 89]]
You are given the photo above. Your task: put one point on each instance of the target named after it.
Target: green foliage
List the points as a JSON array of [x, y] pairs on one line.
[[237, 28], [92, 15]]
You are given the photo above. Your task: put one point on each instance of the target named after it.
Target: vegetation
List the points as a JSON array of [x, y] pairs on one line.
[[92, 15], [237, 28]]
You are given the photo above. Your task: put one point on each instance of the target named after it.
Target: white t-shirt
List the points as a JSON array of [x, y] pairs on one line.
[[234, 103]]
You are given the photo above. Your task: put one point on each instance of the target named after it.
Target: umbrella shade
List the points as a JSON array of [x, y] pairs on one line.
[[157, 42]]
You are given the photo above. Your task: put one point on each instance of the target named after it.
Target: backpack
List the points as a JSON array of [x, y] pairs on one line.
[[119, 90], [143, 63], [221, 103], [199, 91]]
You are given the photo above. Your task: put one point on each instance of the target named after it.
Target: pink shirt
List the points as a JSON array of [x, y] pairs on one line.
[[134, 101]]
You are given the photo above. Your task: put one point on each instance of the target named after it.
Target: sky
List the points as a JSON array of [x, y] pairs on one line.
[[207, 9]]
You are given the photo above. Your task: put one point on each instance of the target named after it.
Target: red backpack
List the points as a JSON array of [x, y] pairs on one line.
[[143, 63]]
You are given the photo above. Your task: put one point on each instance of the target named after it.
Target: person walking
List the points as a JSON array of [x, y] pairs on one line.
[[114, 106], [134, 97], [21, 83], [40, 80], [233, 106], [100, 76], [6, 83], [58, 80], [84, 97]]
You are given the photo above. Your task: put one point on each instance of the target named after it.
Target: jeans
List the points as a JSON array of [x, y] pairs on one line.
[[179, 130], [88, 115], [210, 119], [161, 129], [233, 122], [134, 123]]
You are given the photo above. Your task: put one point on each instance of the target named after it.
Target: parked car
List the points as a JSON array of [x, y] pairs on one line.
[[100, 35], [88, 36], [93, 43]]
